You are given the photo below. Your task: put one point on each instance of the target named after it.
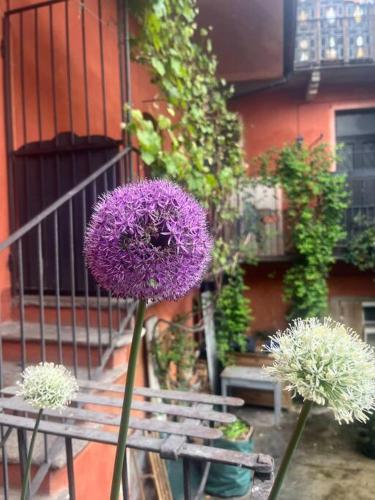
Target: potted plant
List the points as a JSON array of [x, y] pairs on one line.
[[229, 481], [366, 437]]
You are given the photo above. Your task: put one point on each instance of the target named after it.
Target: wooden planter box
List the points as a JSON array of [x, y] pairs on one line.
[[253, 397]]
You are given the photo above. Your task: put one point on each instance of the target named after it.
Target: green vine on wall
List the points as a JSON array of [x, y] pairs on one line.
[[361, 247], [232, 317], [194, 139], [317, 200]]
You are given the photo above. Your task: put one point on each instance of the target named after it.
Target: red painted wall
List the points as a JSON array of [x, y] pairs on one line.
[[143, 92], [275, 117], [271, 119]]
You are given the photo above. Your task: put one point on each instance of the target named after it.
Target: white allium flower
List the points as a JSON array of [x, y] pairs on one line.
[[47, 385], [326, 362]]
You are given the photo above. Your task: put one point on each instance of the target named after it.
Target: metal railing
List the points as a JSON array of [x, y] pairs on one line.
[[79, 329], [332, 36], [272, 236]]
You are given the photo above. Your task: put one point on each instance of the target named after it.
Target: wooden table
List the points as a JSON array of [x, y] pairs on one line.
[[195, 419], [252, 378]]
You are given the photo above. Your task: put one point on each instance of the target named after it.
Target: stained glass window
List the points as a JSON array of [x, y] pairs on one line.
[[333, 32]]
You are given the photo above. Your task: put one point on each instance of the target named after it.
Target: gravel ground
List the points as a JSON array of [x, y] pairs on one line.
[[326, 466]]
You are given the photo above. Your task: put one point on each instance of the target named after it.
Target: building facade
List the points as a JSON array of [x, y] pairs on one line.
[[327, 96]]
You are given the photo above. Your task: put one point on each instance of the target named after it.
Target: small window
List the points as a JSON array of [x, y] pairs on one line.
[[370, 336], [355, 123], [368, 309], [368, 312]]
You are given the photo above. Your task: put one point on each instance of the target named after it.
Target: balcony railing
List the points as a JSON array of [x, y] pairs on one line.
[[334, 32], [270, 236]]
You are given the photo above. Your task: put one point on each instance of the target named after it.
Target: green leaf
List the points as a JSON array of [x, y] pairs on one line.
[[158, 66]]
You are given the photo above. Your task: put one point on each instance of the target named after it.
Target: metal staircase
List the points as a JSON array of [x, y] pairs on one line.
[[81, 329]]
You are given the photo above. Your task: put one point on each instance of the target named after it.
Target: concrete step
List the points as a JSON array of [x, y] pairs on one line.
[[103, 311], [12, 373], [10, 332], [14, 494]]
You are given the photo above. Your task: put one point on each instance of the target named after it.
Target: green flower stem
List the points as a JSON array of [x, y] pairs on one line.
[[25, 482], [293, 443], [126, 406]]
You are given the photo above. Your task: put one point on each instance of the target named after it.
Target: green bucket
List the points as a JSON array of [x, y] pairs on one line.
[[228, 481]]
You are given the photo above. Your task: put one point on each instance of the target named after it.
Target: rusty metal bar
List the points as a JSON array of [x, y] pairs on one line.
[[22, 451], [4, 464], [102, 67], [186, 474], [73, 287], [85, 79], [41, 293], [70, 467], [68, 70], [5, 436], [86, 281], [7, 96], [57, 285], [21, 302], [37, 75], [22, 79], [53, 68]]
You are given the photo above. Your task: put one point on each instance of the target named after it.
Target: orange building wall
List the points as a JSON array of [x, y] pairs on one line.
[[143, 92], [4, 215], [266, 291], [271, 119]]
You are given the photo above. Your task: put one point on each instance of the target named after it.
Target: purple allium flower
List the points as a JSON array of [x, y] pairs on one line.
[[148, 240]]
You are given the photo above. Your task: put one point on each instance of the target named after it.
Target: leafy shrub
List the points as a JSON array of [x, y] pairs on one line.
[[317, 200], [361, 249], [232, 317]]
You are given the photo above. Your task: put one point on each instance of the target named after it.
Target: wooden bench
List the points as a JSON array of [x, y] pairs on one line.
[[252, 378], [190, 421]]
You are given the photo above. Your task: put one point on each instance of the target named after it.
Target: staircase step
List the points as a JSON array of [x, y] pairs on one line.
[[15, 495], [11, 331], [12, 373], [80, 349]]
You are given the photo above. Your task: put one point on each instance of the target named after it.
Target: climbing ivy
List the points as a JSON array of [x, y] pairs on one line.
[[232, 317], [174, 351], [193, 139], [316, 201], [361, 248]]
